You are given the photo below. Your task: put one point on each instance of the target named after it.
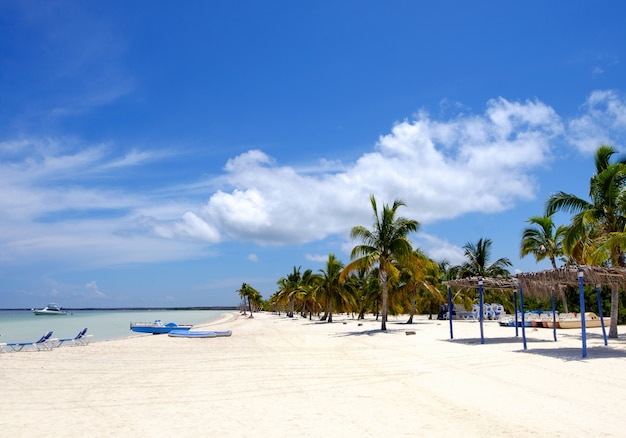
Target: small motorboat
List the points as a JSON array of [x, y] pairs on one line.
[[50, 309], [157, 327], [198, 334]]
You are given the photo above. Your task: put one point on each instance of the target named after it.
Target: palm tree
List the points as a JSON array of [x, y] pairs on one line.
[[289, 288], [420, 273], [364, 288], [478, 265], [542, 240], [596, 222], [251, 294], [329, 287], [306, 292], [385, 244], [447, 271]]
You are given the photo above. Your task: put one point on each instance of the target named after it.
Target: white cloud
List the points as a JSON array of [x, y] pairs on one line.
[[440, 169], [92, 291], [603, 121], [440, 249], [188, 227], [53, 203], [318, 258]]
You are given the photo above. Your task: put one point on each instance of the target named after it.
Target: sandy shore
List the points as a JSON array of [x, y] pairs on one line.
[[277, 376]]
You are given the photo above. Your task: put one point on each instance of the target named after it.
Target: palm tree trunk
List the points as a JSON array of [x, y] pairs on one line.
[[330, 307], [250, 306], [383, 287], [413, 299], [614, 310]]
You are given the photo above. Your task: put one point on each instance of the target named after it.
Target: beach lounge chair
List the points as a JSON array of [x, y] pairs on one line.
[[44, 343], [80, 339], [3, 347]]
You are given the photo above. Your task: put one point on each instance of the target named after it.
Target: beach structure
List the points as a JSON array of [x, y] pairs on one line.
[[544, 283], [477, 283]]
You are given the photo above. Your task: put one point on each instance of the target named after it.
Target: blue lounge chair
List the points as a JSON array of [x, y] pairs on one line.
[[44, 343], [80, 339]]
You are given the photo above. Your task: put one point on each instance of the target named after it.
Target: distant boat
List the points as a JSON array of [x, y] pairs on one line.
[[157, 327], [50, 309]]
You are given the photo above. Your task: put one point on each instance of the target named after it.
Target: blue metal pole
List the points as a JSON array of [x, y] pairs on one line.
[[480, 303], [521, 304], [583, 325], [600, 313], [553, 316], [515, 310], [450, 310]]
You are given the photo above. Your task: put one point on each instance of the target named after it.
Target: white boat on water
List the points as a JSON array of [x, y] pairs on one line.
[[50, 309]]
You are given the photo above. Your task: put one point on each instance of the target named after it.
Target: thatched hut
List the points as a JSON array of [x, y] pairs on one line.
[[543, 284]]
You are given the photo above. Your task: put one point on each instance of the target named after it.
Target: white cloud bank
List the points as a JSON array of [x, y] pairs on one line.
[[442, 169]]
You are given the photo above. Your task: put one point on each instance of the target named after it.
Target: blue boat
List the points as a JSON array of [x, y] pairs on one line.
[[198, 334], [157, 327]]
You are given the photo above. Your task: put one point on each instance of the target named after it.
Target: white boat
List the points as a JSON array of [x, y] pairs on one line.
[[591, 320], [50, 309]]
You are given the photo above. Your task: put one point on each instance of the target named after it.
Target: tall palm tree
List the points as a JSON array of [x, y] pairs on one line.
[[596, 221], [604, 213], [385, 244], [477, 264]]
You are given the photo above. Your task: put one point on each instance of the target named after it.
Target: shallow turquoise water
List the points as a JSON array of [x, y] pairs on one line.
[[24, 326]]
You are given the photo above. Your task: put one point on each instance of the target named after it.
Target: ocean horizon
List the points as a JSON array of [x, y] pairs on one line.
[[22, 325]]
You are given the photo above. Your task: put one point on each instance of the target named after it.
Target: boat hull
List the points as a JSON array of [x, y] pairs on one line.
[[591, 320], [589, 323], [199, 334], [49, 312]]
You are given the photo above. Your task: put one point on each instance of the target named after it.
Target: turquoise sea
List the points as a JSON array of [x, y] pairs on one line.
[[24, 326]]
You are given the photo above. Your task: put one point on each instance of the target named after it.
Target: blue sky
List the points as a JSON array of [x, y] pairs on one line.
[[161, 153]]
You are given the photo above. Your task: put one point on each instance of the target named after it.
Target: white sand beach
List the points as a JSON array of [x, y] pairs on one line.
[[278, 376]]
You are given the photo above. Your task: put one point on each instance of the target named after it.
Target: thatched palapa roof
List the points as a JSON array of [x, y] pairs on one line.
[[488, 283], [541, 284]]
